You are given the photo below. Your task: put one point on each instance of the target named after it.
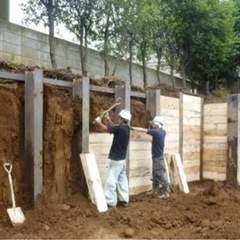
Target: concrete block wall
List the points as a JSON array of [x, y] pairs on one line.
[[25, 46]]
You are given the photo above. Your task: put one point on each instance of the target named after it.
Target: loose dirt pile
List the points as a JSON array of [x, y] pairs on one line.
[[210, 210]]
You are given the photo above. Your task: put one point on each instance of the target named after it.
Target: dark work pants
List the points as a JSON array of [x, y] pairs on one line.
[[159, 174]]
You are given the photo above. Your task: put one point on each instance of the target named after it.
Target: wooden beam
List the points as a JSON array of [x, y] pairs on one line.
[[201, 139], [12, 76], [33, 145], [57, 82], [81, 89], [181, 124], [81, 139], [102, 89], [153, 102], [123, 92], [233, 146]]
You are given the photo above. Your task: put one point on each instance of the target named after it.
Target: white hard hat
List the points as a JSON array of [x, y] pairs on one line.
[[125, 114], [158, 120]]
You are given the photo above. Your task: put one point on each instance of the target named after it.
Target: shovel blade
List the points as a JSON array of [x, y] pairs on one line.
[[16, 216]]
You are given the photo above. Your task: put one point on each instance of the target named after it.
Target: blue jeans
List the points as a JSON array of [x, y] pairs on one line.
[[116, 183]]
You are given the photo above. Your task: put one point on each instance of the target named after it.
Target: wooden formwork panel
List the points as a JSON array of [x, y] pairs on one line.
[[217, 176], [99, 145], [140, 161], [215, 141], [191, 135], [170, 112]]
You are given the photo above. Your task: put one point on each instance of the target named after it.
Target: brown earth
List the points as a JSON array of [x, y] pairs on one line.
[[210, 210]]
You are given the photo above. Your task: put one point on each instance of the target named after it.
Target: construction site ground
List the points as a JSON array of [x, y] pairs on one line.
[[210, 210]]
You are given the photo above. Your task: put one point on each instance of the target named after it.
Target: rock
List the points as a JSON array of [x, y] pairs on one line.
[[64, 207], [129, 232], [46, 227]]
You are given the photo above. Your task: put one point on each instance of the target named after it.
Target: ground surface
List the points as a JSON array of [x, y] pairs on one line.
[[210, 210]]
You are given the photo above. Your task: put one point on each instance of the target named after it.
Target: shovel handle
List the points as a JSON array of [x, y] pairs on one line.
[[8, 169], [118, 102]]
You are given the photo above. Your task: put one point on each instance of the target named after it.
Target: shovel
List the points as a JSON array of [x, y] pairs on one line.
[[15, 213]]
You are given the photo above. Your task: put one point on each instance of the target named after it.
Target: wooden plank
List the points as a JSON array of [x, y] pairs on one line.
[[138, 94], [217, 109], [12, 76], [99, 148], [57, 82], [94, 181], [139, 189], [183, 181], [181, 124], [215, 139], [140, 136], [102, 89], [140, 154], [214, 175], [201, 139], [142, 181], [169, 103], [216, 119], [100, 138], [143, 163]]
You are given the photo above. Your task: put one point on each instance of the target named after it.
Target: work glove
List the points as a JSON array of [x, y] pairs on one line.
[[98, 120], [106, 115]]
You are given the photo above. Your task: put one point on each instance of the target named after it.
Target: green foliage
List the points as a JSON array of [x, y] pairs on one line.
[[198, 38]]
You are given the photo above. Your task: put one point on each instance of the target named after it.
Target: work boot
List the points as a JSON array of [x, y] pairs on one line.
[[164, 195], [122, 204], [153, 192]]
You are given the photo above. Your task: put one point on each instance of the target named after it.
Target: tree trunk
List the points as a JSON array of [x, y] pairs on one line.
[[159, 57], [207, 92], [51, 34], [130, 61], [183, 75], [82, 50], [105, 50], [143, 53], [172, 77], [114, 69]]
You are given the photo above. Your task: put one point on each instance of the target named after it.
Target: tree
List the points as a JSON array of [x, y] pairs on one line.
[[45, 11], [212, 42], [147, 13], [125, 21], [105, 32], [79, 17], [202, 38]]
